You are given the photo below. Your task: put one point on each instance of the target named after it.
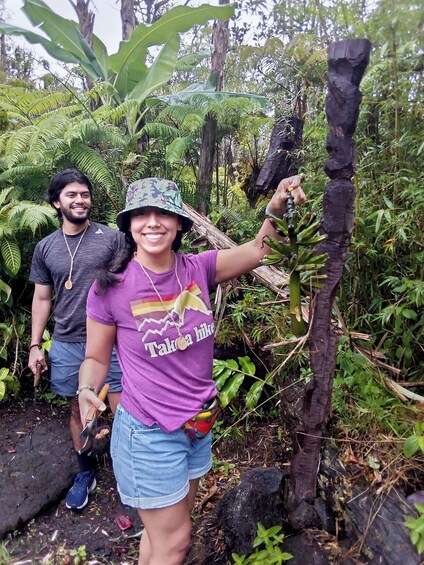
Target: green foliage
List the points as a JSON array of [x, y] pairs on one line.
[[5, 556], [402, 319], [79, 555], [272, 539], [360, 397], [8, 384], [252, 314], [222, 467], [19, 221], [230, 375], [416, 525], [415, 442]]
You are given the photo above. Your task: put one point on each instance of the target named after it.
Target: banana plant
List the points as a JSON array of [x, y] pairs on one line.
[[295, 252], [126, 70]]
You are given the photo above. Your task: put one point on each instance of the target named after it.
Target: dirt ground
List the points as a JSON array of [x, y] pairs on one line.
[[58, 536]]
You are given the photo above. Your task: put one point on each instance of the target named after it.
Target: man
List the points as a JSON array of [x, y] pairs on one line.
[[64, 264]]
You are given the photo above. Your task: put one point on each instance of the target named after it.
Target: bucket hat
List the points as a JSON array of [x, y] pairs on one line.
[[157, 192]]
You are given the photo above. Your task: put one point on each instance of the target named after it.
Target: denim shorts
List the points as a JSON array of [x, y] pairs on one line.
[[152, 467], [65, 360]]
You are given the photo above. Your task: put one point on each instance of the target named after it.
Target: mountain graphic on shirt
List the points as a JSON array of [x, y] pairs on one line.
[[149, 314]]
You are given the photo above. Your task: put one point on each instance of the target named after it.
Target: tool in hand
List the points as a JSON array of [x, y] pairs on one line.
[[91, 432], [37, 375]]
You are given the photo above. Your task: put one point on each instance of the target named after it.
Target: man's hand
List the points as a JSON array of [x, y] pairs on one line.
[[36, 357]]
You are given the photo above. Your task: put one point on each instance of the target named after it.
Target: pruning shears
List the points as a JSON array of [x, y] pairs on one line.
[[92, 433]]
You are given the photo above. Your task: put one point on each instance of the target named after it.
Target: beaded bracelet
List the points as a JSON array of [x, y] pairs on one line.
[[34, 345], [85, 387]]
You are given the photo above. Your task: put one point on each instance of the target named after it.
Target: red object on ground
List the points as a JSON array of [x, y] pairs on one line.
[[123, 522]]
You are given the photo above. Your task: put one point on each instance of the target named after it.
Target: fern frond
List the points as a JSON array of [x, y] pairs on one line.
[[54, 126], [9, 250], [118, 113], [14, 117], [145, 166], [23, 171], [176, 150], [4, 194], [18, 143], [163, 131], [91, 163], [49, 102], [6, 228], [32, 216], [88, 132]]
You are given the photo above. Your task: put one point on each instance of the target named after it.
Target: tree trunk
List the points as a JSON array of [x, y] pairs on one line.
[[127, 18], [281, 160], [2, 52], [86, 23], [207, 148], [347, 61]]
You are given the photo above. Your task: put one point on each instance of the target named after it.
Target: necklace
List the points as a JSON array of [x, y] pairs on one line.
[[69, 284], [181, 341]]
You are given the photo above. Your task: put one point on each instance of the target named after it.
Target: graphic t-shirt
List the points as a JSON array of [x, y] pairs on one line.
[[162, 384], [51, 264]]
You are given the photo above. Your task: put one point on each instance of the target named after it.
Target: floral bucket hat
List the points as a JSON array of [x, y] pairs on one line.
[[157, 192]]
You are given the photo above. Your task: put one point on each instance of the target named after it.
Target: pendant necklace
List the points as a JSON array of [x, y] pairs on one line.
[[69, 284], [181, 341]]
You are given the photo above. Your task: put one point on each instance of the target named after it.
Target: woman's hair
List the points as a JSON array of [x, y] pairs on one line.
[[106, 278], [60, 180]]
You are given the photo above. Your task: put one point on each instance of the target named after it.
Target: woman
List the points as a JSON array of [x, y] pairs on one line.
[[154, 303]]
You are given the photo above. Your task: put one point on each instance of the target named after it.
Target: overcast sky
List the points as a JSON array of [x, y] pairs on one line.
[[107, 22]]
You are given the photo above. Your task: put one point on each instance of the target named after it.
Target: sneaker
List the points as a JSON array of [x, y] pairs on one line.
[[77, 497]]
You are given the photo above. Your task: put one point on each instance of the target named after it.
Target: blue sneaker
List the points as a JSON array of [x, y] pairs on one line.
[[77, 496]]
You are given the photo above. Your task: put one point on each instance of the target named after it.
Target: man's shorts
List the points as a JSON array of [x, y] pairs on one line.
[[152, 467], [65, 360]]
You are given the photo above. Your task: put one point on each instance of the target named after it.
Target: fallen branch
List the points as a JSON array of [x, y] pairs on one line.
[[270, 277], [407, 394]]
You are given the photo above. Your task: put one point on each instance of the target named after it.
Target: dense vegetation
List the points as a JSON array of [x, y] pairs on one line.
[[122, 129]]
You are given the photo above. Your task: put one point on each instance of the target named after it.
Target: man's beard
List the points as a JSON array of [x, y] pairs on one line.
[[76, 219]]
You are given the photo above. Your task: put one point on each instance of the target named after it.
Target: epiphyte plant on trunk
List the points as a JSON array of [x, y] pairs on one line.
[[295, 252]]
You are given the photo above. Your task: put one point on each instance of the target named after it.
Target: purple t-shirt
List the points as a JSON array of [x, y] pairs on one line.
[[160, 384]]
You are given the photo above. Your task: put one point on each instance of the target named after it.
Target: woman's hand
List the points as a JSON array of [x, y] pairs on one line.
[[86, 400], [277, 204]]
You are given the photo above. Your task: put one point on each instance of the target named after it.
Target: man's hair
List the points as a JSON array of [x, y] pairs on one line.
[[62, 179]]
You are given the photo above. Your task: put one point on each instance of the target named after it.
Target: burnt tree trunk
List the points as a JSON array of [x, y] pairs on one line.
[[207, 147], [281, 160], [347, 61]]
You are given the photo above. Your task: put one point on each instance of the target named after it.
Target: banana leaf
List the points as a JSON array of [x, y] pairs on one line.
[[52, 49], [160, 71], [65, 33], [130, 60]]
